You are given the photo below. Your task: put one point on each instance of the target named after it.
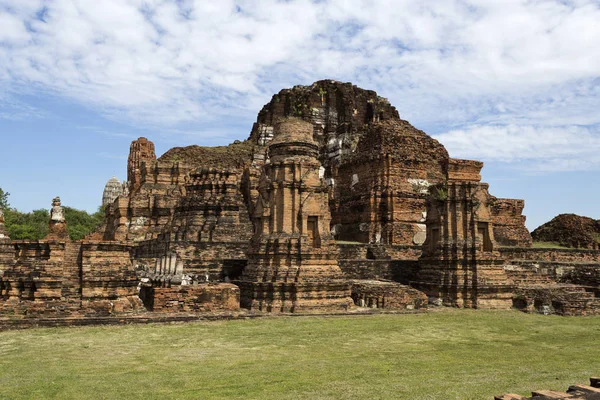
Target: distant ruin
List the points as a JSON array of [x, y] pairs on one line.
[[332, 204]]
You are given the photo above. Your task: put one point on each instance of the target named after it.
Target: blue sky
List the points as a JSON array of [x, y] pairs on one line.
[[512, 83]]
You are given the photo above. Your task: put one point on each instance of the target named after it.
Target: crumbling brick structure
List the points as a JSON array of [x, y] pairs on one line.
[[292, 260], [331, 185], [461, 265]]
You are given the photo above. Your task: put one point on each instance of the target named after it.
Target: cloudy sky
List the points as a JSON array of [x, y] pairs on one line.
[[513, 83]]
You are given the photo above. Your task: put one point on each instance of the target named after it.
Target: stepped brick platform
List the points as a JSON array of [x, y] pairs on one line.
[[553, 298], [207, 297], [388, 295], [575, 392]]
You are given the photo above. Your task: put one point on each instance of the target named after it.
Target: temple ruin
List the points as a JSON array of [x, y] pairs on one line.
[[332, 204]]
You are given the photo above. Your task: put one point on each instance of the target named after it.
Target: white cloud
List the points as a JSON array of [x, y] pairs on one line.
[[539, 148], [510, 67]]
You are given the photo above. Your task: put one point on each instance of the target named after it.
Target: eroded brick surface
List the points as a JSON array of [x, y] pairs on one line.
[[331, 185]]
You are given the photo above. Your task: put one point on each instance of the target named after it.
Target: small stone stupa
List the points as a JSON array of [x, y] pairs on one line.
[[7, 251], [292, 260], [3, 231], [57, 227], [112, 190]]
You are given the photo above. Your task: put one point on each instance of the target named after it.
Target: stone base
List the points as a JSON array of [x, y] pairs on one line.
[[485, 297], [61, 308], [561, 299], [387, 295], [205, 297], [331, 296], [57, 231]]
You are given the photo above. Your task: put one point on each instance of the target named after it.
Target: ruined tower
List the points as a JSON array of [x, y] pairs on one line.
[[461, 265], [140, 151], [292, 260]]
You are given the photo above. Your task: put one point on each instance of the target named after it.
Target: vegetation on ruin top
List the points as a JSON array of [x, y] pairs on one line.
[[233, 156], [450, 354]]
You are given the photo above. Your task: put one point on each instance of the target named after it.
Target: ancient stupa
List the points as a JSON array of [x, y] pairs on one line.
[[292, 260]]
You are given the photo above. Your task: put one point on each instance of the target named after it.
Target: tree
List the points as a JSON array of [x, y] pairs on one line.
[[27, 226], [4, 199], [80, 223], [34, 225]]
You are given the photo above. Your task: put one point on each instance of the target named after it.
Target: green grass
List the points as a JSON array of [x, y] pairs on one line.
[[452, 354], [548, 245]]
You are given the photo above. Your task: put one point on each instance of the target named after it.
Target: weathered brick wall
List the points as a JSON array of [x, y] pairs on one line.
[[402, 271], [509, 222], [387, 295], [529, 265], [380, 191], [108, 280], [562, 299], [52, 278], [195, 298], [560, 255], [364, 251]]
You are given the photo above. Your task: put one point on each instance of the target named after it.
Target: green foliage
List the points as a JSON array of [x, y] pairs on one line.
[[299, 109], [4, 199], [27, 226], [438, 192], [34, 225], [80, 223]]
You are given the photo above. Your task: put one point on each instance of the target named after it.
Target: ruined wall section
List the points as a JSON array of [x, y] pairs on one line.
[[209, 231], [108, 279], [145, 212], [380, 195], [509, 222], [68, 279], [461, 265]]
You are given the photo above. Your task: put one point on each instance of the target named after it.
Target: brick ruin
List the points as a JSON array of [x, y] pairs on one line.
[[333, 202], [574, 392]]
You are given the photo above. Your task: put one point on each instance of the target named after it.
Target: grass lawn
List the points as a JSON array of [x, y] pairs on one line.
[[451, 354], [548, 245]]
